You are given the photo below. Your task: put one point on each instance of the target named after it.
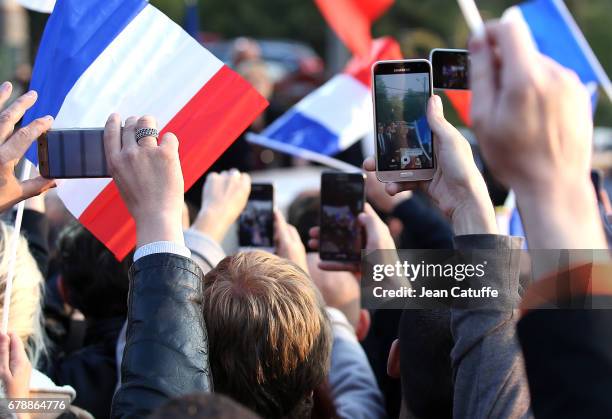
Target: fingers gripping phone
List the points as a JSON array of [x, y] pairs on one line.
[[256, 224], [72, 153], [404, 141], [342, 200], [450, 69]]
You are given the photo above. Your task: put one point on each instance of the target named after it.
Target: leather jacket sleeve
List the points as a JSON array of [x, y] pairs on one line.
[[166, 351]]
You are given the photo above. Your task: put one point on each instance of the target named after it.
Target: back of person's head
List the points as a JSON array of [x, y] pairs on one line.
[[25, 315], [303, 214], [94, 281], [425, 344], [203, 406], [269, 336]]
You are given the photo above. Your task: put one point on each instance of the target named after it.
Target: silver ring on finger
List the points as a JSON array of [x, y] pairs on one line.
[[146, 132]]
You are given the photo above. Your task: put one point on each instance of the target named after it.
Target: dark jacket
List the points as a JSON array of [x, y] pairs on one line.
[[92, 370], [488, 368], [568, 350], [166, 351]]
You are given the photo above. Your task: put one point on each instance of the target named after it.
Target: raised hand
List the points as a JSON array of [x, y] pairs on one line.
[[14, 144]]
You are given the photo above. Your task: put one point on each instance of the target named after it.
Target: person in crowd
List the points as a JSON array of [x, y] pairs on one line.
[[549, 137], [351, 379], [25, 315], [459, 190], [95, 283], [203, 406], [257, 300]]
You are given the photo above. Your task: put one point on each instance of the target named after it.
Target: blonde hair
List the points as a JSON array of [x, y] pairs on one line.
[[25, 315], [268, 333]]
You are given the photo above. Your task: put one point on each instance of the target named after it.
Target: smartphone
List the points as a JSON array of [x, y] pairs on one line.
[[256, 225], [342, 200], [404, 141], [450, 69], [72, 153]]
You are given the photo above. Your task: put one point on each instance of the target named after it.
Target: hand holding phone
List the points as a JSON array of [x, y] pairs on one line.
[[404, 141], [256, 225], [342, 200]]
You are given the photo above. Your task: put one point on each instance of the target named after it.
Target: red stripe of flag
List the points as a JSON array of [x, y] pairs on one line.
[[360, 68], [461, 101], [206, 126], [352, 20]]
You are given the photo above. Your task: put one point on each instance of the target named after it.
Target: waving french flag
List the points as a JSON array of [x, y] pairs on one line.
[[336, 115], [102, 56], [557, 35], [352, 21]]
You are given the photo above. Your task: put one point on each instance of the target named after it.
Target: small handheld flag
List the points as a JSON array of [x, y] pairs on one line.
[[335, 116], [102, 56]]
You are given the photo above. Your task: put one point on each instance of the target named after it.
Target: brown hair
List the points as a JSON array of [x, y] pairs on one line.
[[269, 336]]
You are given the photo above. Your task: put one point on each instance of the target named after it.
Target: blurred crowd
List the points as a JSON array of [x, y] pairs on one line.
[[183, 328]]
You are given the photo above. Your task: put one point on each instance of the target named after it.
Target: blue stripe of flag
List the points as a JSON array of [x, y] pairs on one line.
[[296, 129], [555, 38], [76, 33]]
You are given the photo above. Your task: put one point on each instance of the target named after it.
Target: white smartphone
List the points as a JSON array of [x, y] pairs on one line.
[[403, 138]]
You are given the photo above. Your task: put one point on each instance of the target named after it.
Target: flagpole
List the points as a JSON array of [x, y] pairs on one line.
[[26, 170], [301, 153]]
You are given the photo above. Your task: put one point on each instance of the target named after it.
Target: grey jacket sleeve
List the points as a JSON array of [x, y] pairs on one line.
[[353, 385], [206, 252], [166, 350], [488, 367]]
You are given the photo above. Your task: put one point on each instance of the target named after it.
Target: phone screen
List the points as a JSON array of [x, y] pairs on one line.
[[342, 200], [450, 69], [72, 153], [256, 227], [401, 93]]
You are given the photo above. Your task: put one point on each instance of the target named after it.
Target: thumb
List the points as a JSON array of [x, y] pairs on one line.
[[368, 220], [18, 357], [435, 117], [36, 186]]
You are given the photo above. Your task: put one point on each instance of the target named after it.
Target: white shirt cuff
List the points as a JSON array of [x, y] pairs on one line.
[[161, 247], [341, 327]]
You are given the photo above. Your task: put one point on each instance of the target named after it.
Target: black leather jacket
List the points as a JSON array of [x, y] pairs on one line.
[[166, 351]]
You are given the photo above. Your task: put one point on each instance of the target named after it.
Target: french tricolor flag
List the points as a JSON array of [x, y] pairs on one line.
[[336, 115], [557, 35], [102, 56]]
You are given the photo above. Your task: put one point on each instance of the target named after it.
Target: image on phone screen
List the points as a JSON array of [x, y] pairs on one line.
[[450, 69], [73, 153], [404, 139], [342, 200], [256, 226]]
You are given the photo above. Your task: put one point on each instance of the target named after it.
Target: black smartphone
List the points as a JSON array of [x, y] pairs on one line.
[[342, 200], [450, 69], [404, 141], [256, 225], [72, 153]]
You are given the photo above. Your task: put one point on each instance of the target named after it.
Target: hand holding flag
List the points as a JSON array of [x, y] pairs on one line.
[[517, 99]]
